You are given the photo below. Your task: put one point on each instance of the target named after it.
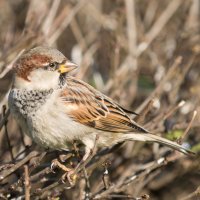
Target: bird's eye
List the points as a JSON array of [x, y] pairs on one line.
[[53, 65]]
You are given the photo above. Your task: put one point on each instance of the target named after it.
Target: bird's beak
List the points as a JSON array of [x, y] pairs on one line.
[[66, 67]]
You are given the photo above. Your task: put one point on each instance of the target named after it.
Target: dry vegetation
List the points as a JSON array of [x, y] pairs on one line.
[[145, 55]]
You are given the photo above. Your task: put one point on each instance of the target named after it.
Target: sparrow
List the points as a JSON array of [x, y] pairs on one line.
[[55, 109]]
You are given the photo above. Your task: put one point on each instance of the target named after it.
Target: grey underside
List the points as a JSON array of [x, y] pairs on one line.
[[27, 102]]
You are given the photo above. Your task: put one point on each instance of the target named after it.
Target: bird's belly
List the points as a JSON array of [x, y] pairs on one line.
[[54, 129]]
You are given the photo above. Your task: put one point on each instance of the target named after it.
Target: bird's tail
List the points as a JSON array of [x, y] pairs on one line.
[[148, 137]]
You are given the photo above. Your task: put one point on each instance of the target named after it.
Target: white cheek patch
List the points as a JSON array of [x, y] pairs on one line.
[[38, 79]]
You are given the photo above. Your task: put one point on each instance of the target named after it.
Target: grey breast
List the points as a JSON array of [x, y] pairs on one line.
[[27, 102]]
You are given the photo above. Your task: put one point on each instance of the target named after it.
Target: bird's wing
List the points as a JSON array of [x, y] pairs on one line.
[[88, 106]]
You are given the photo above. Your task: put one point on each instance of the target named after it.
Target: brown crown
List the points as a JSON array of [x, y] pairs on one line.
[[28, 63]]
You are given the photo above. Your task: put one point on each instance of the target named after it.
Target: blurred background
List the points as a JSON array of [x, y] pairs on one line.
[[143, 54]]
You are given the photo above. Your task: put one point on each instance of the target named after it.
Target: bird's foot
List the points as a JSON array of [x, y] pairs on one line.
[[56, 164], [69, 176]]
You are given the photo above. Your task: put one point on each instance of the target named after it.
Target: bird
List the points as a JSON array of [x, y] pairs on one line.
[[56, 109]]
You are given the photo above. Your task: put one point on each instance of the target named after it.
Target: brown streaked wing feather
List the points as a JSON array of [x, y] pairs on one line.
[[88, 106]]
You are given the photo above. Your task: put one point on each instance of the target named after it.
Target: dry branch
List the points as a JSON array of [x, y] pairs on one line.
[[136, 41]]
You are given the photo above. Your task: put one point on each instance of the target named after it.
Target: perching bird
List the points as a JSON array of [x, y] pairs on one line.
[[55, 109]]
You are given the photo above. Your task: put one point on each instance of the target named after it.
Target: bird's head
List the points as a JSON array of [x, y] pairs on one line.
[[41, 68]]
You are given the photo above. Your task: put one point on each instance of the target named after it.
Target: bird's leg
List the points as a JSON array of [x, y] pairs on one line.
[[87, 155], [71, 175], [89, 152]]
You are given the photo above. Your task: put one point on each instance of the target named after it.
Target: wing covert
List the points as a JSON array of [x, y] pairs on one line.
[[88, 106]]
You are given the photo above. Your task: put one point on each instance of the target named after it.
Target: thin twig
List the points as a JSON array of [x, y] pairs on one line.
[[78, 34], [159, 88], [5, 118], [159, 25], [87, 60], [106, 180], [131, 28], [193, 195], [88, 187], [26, 183], [10, 66], [82, 186], [180, 140], [173, 110], [159, 119], [66, 22], [6, 173], [140, 118], [118, 187], [7, 136], [50, 17]]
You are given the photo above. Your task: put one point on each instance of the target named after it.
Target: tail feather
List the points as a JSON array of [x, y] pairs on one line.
[[148, 137]]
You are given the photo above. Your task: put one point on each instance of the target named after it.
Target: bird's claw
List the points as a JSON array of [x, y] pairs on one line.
[[70, 177], [56, 164], [53, 166]]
